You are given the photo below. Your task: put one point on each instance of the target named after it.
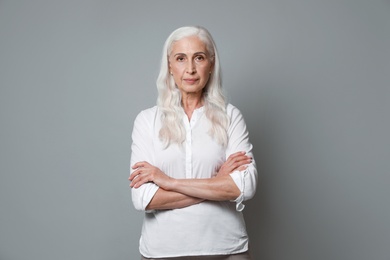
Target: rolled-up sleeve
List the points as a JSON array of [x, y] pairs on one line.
[[246, 180], [141, 150]]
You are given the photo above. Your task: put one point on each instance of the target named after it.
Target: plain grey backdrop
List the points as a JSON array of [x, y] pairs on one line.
[[311, 78]]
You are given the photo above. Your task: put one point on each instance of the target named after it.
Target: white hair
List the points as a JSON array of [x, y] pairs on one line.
[[169, 96]]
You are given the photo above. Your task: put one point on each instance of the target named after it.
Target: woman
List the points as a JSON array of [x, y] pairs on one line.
[[191, 159]]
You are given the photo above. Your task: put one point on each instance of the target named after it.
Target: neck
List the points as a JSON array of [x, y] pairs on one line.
[[190, 103]]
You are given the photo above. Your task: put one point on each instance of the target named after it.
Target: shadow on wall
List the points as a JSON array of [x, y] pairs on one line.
[[256, 208], [256, 212]]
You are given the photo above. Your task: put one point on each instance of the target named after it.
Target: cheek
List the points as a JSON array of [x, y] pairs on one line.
[[177, 70], [206, 72], [176, 78], [206, 69]]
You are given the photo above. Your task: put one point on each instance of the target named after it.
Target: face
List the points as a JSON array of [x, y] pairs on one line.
[[190, 65]]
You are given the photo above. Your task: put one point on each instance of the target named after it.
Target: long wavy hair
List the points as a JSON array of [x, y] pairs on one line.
[[169, 96]]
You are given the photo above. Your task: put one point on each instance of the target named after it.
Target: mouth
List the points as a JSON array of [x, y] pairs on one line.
[[191, 81]]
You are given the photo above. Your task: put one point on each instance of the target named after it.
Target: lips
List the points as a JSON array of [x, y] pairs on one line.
[[190, 81]]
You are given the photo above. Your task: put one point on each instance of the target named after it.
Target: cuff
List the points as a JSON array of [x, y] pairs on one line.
[[143, 195], [238, 178]]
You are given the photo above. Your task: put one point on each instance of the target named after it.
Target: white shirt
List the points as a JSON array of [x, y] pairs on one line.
[[207, 228]]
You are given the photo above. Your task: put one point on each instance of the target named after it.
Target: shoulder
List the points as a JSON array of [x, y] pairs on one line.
[[146, 116], [147, 113], [232, 111], [236, 119], [230, 108], [237, 125]]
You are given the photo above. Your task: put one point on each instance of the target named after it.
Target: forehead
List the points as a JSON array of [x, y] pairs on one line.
[[188, 45]]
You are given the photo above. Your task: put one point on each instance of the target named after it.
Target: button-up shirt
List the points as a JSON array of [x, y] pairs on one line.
[[207, 228]]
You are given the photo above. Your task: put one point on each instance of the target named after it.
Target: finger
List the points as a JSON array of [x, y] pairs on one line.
[[241, 161], [139, 165], [136, 181], [139, 181], [238, 160], [237, 156], [135, 174], [233, 155], [245, 159]]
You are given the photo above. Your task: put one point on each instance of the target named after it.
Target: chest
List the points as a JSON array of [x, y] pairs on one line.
[[200, 156]]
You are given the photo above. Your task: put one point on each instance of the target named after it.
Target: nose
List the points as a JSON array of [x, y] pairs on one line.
[[191, 69]]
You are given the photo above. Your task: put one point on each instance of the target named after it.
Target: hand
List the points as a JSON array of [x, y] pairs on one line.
[[145, 172], [236, 161]]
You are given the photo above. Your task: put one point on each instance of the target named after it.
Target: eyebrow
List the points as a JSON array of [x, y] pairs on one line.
[[196, 53]]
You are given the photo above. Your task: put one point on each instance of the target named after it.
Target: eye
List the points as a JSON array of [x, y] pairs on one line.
[[180, 58], [199, 58]]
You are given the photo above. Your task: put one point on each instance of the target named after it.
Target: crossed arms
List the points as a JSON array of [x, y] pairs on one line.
[[178, 193]]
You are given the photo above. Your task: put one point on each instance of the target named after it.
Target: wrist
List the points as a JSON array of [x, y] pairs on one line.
[[172, 183]]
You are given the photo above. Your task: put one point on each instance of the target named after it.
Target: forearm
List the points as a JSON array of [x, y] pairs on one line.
[[220, 188], [217, 189], [171, 200]]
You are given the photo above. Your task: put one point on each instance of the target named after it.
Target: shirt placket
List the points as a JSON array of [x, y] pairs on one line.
[[188, 144]]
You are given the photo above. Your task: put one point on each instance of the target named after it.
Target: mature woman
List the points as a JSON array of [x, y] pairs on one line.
[[191, 161]]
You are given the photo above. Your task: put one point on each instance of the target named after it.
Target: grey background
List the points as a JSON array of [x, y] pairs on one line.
[[311, 78]]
